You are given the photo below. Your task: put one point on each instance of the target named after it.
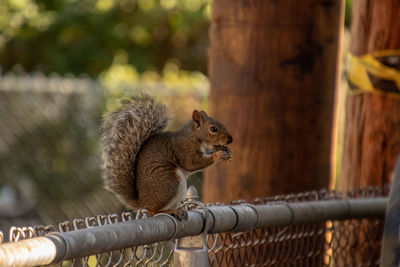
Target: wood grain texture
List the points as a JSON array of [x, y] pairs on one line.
[[372, 126], [372, 140], [375, 26], [272, 67]]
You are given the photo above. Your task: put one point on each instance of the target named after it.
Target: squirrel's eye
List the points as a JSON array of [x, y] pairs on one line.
[[213, 129]]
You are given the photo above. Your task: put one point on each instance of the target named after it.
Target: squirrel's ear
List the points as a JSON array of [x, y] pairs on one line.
[[204, 114], [197, 119]]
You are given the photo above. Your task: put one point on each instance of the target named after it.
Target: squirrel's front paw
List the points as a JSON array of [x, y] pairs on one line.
[[225, 154]]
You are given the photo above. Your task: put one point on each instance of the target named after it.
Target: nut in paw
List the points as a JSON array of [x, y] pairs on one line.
[[224, 154]]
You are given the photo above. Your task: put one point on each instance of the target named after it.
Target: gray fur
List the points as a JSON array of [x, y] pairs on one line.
[[124, 132]]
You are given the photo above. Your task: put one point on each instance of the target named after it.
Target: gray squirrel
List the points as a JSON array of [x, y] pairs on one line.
[[147, 167]]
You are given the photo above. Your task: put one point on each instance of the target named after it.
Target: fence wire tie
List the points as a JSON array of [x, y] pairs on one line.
[[193, 204], [349, 209], [173, 220], [288, 206], [253, 207]]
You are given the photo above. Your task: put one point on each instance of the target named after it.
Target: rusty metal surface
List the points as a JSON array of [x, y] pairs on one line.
[[353, 242]]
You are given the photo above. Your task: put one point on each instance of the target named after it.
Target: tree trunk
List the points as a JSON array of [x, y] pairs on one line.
[[372, 127], [272, 68]]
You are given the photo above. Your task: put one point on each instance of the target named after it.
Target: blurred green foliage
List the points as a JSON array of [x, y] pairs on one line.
[[61, 149], [347, 14], [159, 45], [87, 36]]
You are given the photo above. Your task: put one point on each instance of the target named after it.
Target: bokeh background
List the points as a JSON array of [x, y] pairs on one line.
[[63, 64]]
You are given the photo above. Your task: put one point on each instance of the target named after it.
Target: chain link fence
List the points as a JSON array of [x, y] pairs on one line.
[[49, 158], [156, 253], [354, 242], [50, 167], [346, 242], [49, 164]]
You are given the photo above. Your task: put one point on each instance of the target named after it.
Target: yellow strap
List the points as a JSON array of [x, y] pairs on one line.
[[360, 69]]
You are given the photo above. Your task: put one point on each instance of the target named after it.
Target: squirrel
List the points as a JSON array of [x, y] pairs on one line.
[[147, 167]]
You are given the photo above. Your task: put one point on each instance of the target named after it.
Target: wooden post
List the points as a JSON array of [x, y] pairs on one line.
[[272, 68], [372, 123], [372, 127]]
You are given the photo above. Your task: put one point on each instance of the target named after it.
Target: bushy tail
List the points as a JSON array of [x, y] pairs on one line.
[[124, 132]]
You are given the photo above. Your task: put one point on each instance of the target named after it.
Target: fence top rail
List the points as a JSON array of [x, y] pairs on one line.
[[220, 218]]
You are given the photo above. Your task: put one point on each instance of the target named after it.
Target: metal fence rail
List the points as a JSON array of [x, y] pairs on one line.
[[321, 230]]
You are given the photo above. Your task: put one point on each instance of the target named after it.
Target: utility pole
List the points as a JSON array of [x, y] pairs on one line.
[[372, 126]]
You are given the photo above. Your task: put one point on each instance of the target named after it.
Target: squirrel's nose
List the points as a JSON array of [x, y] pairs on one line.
[[230, 139]]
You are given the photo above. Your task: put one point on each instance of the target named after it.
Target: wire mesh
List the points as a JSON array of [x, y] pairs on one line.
[[154, 254], [331, 243], [43, 118], [347, 243], [50, 165]]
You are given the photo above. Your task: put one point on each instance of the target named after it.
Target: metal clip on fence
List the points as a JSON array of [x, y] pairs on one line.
[[192, 250]]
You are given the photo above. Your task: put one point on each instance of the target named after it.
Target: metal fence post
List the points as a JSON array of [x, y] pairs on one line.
[[390, 253], [192, 250]]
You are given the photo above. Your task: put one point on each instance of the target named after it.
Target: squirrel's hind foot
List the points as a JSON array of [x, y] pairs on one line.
[[180, 214]]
